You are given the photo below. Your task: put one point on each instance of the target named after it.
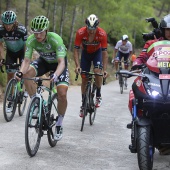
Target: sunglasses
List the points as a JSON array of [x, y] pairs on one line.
[[36, 30]]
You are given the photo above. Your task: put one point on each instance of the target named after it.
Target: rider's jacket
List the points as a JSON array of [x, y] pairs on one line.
[[100, 40], [15, 39], [123, 48], [144, 55], [50, 50]]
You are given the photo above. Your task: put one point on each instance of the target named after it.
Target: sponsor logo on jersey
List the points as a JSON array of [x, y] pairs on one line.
[[61, 48], [48, 46]]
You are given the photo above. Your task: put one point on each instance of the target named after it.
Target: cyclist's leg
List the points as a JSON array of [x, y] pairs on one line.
[[126, 64], [97, 62], [126, 57], [10, 59], [85, 65], [37, 68], [117, 59], [62, 87]]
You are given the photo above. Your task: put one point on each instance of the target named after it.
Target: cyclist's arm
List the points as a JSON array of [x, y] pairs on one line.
[[76, 57], [105, 60], [2, 54], [60, 67], [25, 65], [114, 53]]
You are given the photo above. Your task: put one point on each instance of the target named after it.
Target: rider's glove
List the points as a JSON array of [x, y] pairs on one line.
[[18, 75], [2, 62], [54, 78], [112, 61]]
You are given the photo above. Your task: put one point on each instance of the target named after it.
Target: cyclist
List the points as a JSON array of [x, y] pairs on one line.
[[14, 35], [93, 41], [52, 57], [123, 49], [143, 57]]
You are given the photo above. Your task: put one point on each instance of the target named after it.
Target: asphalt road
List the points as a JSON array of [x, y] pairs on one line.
[[103, 146]]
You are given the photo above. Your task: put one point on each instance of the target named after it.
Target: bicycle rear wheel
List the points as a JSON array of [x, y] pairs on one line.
[[33, 127], [10, 100], [52, 121], [121, 83], [84, 109], [22, 104]]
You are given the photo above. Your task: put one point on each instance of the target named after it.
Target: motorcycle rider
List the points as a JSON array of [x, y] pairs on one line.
[[165, 29], [143, 57]]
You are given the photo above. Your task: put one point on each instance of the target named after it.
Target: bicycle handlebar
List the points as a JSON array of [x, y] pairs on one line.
[[14, 65], [90, 73]]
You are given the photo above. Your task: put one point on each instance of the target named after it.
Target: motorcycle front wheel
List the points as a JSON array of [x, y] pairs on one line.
[[145, 149]]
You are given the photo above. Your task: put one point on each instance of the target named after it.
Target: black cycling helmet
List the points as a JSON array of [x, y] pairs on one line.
[[92, 22], [165, 23], [124, 37]]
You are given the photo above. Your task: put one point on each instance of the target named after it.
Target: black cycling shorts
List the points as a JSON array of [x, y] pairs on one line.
[[42, 67]]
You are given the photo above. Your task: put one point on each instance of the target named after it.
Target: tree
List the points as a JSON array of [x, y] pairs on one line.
[[27, 14]]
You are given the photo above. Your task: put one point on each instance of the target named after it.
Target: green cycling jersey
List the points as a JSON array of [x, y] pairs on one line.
[[50, 50]]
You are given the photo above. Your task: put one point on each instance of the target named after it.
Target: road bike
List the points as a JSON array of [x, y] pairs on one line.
[[15, 95], [41, 116], [122, 80], [88, 103]]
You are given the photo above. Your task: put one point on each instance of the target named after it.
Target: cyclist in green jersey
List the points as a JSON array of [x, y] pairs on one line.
[[52, 53], [14, 36]]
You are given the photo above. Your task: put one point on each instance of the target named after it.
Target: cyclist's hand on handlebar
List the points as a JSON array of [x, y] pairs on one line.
[[18, 75], [2, 62], [105, 74], [78, 70], [54, 78]]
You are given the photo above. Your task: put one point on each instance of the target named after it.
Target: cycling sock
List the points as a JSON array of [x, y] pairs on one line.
[[60, 120], [98, 92]]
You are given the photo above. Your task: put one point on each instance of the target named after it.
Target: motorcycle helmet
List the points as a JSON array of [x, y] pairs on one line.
[[8, 17], [39, 24], [165, 23], [92, 22], [124, 37]]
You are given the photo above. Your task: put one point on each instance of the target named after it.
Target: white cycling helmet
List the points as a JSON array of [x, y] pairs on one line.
[[124, 37], [92, 22]]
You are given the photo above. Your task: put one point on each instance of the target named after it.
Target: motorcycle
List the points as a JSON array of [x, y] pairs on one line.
[[149, 105]]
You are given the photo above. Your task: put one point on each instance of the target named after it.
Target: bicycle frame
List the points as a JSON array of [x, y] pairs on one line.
[[40, 89]]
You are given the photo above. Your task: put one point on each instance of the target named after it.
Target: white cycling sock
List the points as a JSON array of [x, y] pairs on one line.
[[60, 120]]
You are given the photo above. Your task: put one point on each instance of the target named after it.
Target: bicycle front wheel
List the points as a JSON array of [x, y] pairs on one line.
[[22, 104], [33, 127], [85, 106], [121, 83], [52, 121], [93, 107], [10, 100]]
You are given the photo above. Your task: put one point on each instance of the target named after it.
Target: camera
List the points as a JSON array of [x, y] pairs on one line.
[[156, 31]]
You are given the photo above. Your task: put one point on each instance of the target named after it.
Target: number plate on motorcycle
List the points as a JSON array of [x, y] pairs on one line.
[[164, 76]]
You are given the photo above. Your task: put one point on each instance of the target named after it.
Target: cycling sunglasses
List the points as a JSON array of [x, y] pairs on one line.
[[36, 30]]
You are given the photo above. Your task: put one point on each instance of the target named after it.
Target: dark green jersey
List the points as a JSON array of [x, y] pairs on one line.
[[50, 50], [15, 39]]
